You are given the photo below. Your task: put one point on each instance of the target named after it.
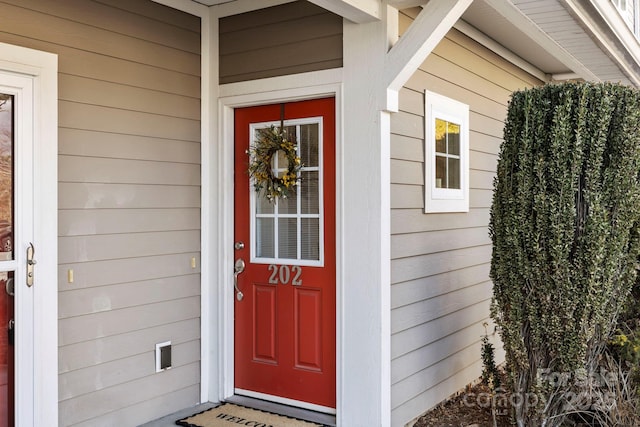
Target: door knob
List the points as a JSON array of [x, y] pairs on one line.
[[9, 286], [237, 269]]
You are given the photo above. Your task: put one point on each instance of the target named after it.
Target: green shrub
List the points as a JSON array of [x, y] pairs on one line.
[[563, 226]]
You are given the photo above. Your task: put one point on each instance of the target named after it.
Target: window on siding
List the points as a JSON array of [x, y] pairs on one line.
[[626, 8], [446, 154]]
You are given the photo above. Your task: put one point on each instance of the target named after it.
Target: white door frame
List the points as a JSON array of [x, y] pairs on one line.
[[36, 307], [268, 91]]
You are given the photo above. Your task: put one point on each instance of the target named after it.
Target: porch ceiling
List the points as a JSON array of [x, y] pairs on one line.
[[561, 38]]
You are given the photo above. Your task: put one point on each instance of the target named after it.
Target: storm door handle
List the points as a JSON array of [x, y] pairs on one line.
[[30, 264]]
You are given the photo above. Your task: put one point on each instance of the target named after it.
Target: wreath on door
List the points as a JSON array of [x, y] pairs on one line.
[[273, 184]]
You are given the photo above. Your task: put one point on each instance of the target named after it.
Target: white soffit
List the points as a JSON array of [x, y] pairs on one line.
[[545, 34], [555, 20], [484, 18]]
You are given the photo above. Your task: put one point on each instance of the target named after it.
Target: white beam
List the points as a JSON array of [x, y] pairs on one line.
[[358, 11], [430, 26], [565, 76], [470, 31], [237, 7], [406, 4], [188, 6]]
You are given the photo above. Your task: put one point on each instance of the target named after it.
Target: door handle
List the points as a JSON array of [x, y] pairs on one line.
[[30, 264], [11, 331], [9, 286], [237, 269]]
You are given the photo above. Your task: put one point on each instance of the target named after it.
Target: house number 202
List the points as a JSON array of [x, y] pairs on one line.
[[283, 273]]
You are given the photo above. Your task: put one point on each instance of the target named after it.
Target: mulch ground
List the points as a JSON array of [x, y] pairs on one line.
[[471, 408]]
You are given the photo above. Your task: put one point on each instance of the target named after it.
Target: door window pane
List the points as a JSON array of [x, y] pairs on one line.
[[290, 204], [310, 239], [288, 238], [6, 177], [309, 192], [309, 153], [265, 244]]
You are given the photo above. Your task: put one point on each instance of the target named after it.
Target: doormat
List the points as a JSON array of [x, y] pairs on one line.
[[228, 415]]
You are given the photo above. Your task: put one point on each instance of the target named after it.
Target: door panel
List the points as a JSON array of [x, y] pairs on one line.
[[308, 329], [285, 324]]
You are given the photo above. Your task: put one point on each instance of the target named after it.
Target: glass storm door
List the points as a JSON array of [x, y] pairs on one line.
[[285, 323], [16, 233], [10, 100], [7, 220]]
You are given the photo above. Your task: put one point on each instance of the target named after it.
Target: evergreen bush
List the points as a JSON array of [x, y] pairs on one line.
[[563, 224]]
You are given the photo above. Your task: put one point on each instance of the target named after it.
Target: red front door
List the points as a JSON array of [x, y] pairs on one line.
[[285, 323]]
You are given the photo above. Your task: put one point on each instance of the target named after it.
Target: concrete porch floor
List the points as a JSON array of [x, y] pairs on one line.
[[170, 420], [303, 414]]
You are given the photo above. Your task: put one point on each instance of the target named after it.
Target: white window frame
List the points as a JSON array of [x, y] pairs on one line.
[[252, 204], [445, 199]]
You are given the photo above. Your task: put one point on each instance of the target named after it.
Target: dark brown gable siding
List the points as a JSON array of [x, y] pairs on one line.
[[288, 39]]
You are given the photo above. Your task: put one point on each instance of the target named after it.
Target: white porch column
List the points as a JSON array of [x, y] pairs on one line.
[[372, 77], [364, 390]]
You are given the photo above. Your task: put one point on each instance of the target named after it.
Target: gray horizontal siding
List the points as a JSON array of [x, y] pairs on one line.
[[87, 354], [129, 201], [125, 270], [92, 143], [441, 290], [113, 399], [291, 38], [79, 195], [78, 222]]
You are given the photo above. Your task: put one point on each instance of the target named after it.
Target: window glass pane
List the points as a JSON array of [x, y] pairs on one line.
[[441, 172], [6, 177], [263, 205], [290, 133], [309, 144], [310, 239], [279, 163], [265, 238], [454, 173], [453, 139], [288, 238], [310, 193], [290, 204], [441, 136]]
